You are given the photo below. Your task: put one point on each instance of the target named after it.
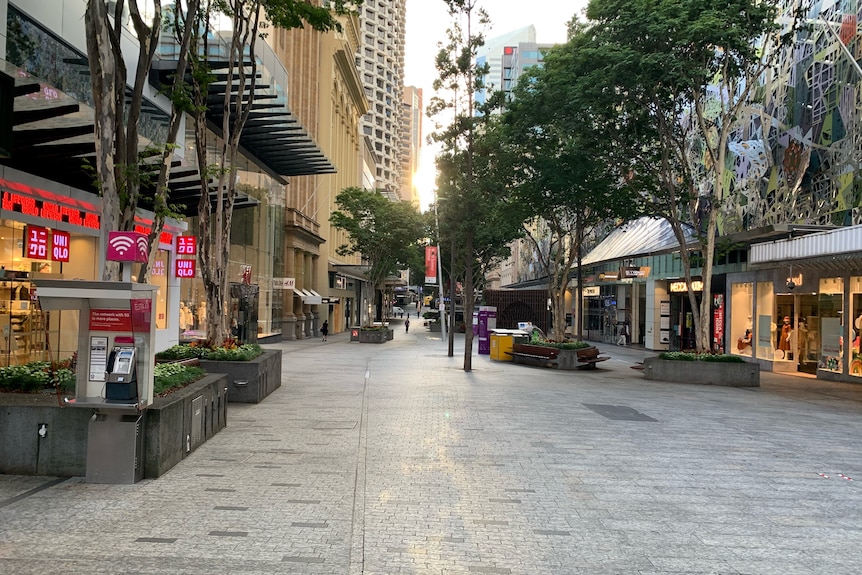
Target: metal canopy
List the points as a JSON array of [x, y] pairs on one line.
[[53, 138], [272, 134]]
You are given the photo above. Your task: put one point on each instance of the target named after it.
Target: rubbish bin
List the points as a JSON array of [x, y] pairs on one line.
[[502, 341]]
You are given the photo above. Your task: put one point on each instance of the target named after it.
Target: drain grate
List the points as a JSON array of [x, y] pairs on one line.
[[618, 412]]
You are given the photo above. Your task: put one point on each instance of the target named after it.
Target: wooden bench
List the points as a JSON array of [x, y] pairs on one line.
[[534, 354], [589, 357]]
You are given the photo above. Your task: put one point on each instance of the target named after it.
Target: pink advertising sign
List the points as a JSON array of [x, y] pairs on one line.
[[127, 247]]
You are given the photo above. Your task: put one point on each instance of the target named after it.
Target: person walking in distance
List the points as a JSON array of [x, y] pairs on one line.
[[407, 325], [324, 329]]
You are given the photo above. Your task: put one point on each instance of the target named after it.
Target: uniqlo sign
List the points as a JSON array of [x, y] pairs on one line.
[[37, 243], [185, 268], [187, 245], [60, 246]]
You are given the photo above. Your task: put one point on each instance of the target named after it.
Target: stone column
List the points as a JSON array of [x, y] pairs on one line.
[[316, 309], [288, 326], [309, 316]]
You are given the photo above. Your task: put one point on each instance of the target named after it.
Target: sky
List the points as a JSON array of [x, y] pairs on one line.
[[427, 22]]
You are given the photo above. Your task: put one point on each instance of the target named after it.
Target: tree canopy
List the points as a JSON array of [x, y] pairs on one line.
[[388, 235]]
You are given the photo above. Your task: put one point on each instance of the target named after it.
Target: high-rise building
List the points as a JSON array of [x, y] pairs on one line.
[[411, 141], [492, 54], [516, 60], [380, 60]]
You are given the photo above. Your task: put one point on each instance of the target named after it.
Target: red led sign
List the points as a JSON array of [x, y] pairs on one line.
[[49, 210], [164, 238]]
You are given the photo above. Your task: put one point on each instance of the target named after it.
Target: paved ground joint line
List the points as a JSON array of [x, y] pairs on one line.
[[35, 490], [357, 525]]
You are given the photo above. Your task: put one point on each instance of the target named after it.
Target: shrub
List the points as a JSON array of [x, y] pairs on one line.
[[170, 376], [692, 356], [563, 344], [36, 375], [230, 351]]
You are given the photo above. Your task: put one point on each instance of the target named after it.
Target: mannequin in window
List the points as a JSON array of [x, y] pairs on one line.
[[784, 338], [743, 344]]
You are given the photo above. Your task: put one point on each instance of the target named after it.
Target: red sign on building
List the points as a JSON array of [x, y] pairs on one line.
[[185, 268], [37, 243], [187, 245], [60, 246]]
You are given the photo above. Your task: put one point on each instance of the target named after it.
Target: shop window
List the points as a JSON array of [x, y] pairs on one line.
[[830, 304], [741, 326], [856, 327], [159, 277], [765, 332]]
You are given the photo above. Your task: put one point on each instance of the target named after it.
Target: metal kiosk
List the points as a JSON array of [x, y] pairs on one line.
[[114, 375]]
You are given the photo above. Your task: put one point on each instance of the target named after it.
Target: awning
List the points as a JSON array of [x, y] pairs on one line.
[[642, 237], [833, 249], [53, 138], [272, 135]]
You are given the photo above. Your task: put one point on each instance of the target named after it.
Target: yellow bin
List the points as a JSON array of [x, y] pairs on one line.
[[500, 344]]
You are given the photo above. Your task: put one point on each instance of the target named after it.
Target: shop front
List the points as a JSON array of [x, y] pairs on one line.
[[801, 314], [797, 323], [50, 231]]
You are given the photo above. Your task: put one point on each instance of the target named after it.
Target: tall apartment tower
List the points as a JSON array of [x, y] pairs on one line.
[[381, 64], [411, 141]]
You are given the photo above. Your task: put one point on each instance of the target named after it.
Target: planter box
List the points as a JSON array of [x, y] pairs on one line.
[[703, 372], [63, 451], [376, 336], [178, 424], [173, 427], [568, 358], [249, 381]]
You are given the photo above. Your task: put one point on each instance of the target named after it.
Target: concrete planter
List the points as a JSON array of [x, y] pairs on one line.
[[568, 358], [178, 424], [376, 336], [249, 381], [703, 372], [173, 427]]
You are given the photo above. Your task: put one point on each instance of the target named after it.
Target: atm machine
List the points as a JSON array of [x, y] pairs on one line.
[[114, 376]]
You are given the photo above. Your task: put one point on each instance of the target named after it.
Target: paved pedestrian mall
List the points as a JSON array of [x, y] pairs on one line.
[[390, 459]]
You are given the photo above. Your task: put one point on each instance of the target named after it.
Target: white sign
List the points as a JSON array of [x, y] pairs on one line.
[[283, 283]]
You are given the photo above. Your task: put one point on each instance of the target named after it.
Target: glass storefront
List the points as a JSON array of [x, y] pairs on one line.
[[741, 327], [831, 309], [856, 326], [26, 332], [766, 329], [257, 244]]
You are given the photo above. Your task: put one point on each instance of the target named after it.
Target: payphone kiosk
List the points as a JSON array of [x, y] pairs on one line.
[[114, 375]]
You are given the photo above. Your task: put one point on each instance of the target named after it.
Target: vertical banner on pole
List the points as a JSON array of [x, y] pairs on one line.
[[430, 264]]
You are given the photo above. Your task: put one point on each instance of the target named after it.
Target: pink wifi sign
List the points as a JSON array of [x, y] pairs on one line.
[[127, 247]]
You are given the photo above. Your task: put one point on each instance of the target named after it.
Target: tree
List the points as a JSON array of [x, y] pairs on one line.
[[388, 235], [238, 72], [459, 80], [674, 80], [559, 183], [122, 167]]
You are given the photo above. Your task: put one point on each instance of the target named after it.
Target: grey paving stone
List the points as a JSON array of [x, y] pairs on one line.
[[420, 468]]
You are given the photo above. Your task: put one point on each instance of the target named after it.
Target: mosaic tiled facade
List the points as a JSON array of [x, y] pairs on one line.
[[806, 169]]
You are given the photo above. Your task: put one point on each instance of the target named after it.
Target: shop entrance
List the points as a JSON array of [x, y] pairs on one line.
[[804, 328]]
